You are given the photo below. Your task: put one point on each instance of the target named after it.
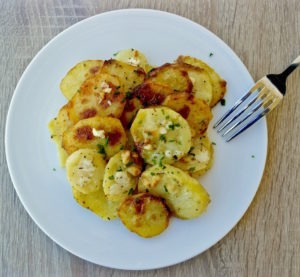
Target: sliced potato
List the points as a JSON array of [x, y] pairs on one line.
[[71, 83], [121, 175], [57, 126], [161, 135], [184, 195], [218, 84], [129, 76], [133, 57], [144, 214], [172, 76], [195, 111], [97, 203], [199, 159], [103, 133], [85, 170], [150, 93], [98, 95], [130, 110]]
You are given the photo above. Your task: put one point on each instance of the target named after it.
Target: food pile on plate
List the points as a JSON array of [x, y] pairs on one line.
[[133, 137]]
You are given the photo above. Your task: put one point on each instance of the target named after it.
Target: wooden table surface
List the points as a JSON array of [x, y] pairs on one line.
[[265, 34]]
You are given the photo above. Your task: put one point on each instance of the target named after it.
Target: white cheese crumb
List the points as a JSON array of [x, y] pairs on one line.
[[133, 61], [98, 133], [87, 169], [162, 130], [105, 87], [168, 154], [125, 156], [178, 153], [109, 102], [148, 147], [202, 156]]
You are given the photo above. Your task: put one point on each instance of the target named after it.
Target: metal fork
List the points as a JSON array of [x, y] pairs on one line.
[[263, 97]]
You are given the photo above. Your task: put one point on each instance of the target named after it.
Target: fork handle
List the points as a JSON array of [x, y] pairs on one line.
[[291, 68]]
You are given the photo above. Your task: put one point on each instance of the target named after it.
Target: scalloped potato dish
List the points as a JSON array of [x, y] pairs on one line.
[[133, 138]]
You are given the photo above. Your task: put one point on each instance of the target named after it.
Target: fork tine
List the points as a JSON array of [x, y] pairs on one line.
[[257, 86], [268, 108], [261, 95]]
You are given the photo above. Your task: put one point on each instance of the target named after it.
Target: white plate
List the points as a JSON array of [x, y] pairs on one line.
[[32, 156]]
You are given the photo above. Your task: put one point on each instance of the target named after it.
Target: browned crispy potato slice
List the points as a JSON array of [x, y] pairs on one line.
[[195, 111], [98, 95], [121, 175], [57, 126], [97, 203], [129, 76], [103, 133], [71, 83], [150, 93], [144, 214], [131, 108], [199, 159], [218, 84], [172, 76], [184, 195]]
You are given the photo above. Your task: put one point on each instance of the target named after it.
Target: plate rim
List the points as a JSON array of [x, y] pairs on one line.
[[16, 92]]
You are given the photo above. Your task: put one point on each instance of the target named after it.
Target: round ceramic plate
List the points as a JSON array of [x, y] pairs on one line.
[[41, 184]]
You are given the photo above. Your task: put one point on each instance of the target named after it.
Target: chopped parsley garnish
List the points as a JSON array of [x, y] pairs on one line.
[[117, 93], [101, 149], [106, 141], [211, 54], [166, 190], [129, 164], [191, 169], [252, 156], [163, 138], [112, 177], [127, 96], [54, 169], [160, 162], [121, 147], [223, 102], [130, 192], [213, 143], [173, 125], [152, 173], [191, 149], [119, 169], [115, 54]]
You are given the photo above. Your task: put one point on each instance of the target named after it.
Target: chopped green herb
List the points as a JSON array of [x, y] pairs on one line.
[[191, 169], [173, 125], [152, 173], [119, 169], [211, 54], [252, 156], [106, 141], [223, 102], [54, 169], [115, 54], [166, 190], [95, 87], [101, 149], [191, 149], [130, 192], [160, 161], [121, 147], [112, 177], [163, 138], [129, 164], [117, 93], [172, 140], [213, 143]]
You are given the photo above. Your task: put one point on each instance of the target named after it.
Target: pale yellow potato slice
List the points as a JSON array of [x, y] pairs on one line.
[[133, 57], [199, 159], [106, 134], [184, 195], [144, 214], [85, 170], [161, 135], [197, 113], [121, 175], [218, 84], [71, 83], [97, 203]]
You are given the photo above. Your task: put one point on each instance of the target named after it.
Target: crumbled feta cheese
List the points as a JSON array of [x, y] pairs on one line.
[[109, 102], [162, 130], [87, 169], [178, 153], [168, 154], [148, 147], [134, 170], [125, 156], [98, 133], [133, 61], [202, 156], [122, 178], [105, 87]]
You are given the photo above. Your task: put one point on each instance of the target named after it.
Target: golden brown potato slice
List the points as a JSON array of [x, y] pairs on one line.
[[150, 93], [129, 76], [57, 126], [85, 170], [144, 214], [97, 203], [171, 76], [161, 135], [199, 159], [103, 133], [133, 57], [130, 110], [98, 96], [195, 111], [184, 195], [121, 175], [71, 83], [218, 84]]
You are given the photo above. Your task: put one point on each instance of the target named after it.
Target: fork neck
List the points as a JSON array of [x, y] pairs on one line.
[[291, 68]]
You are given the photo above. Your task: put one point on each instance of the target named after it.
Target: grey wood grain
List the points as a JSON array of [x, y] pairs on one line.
[[266, 36]]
